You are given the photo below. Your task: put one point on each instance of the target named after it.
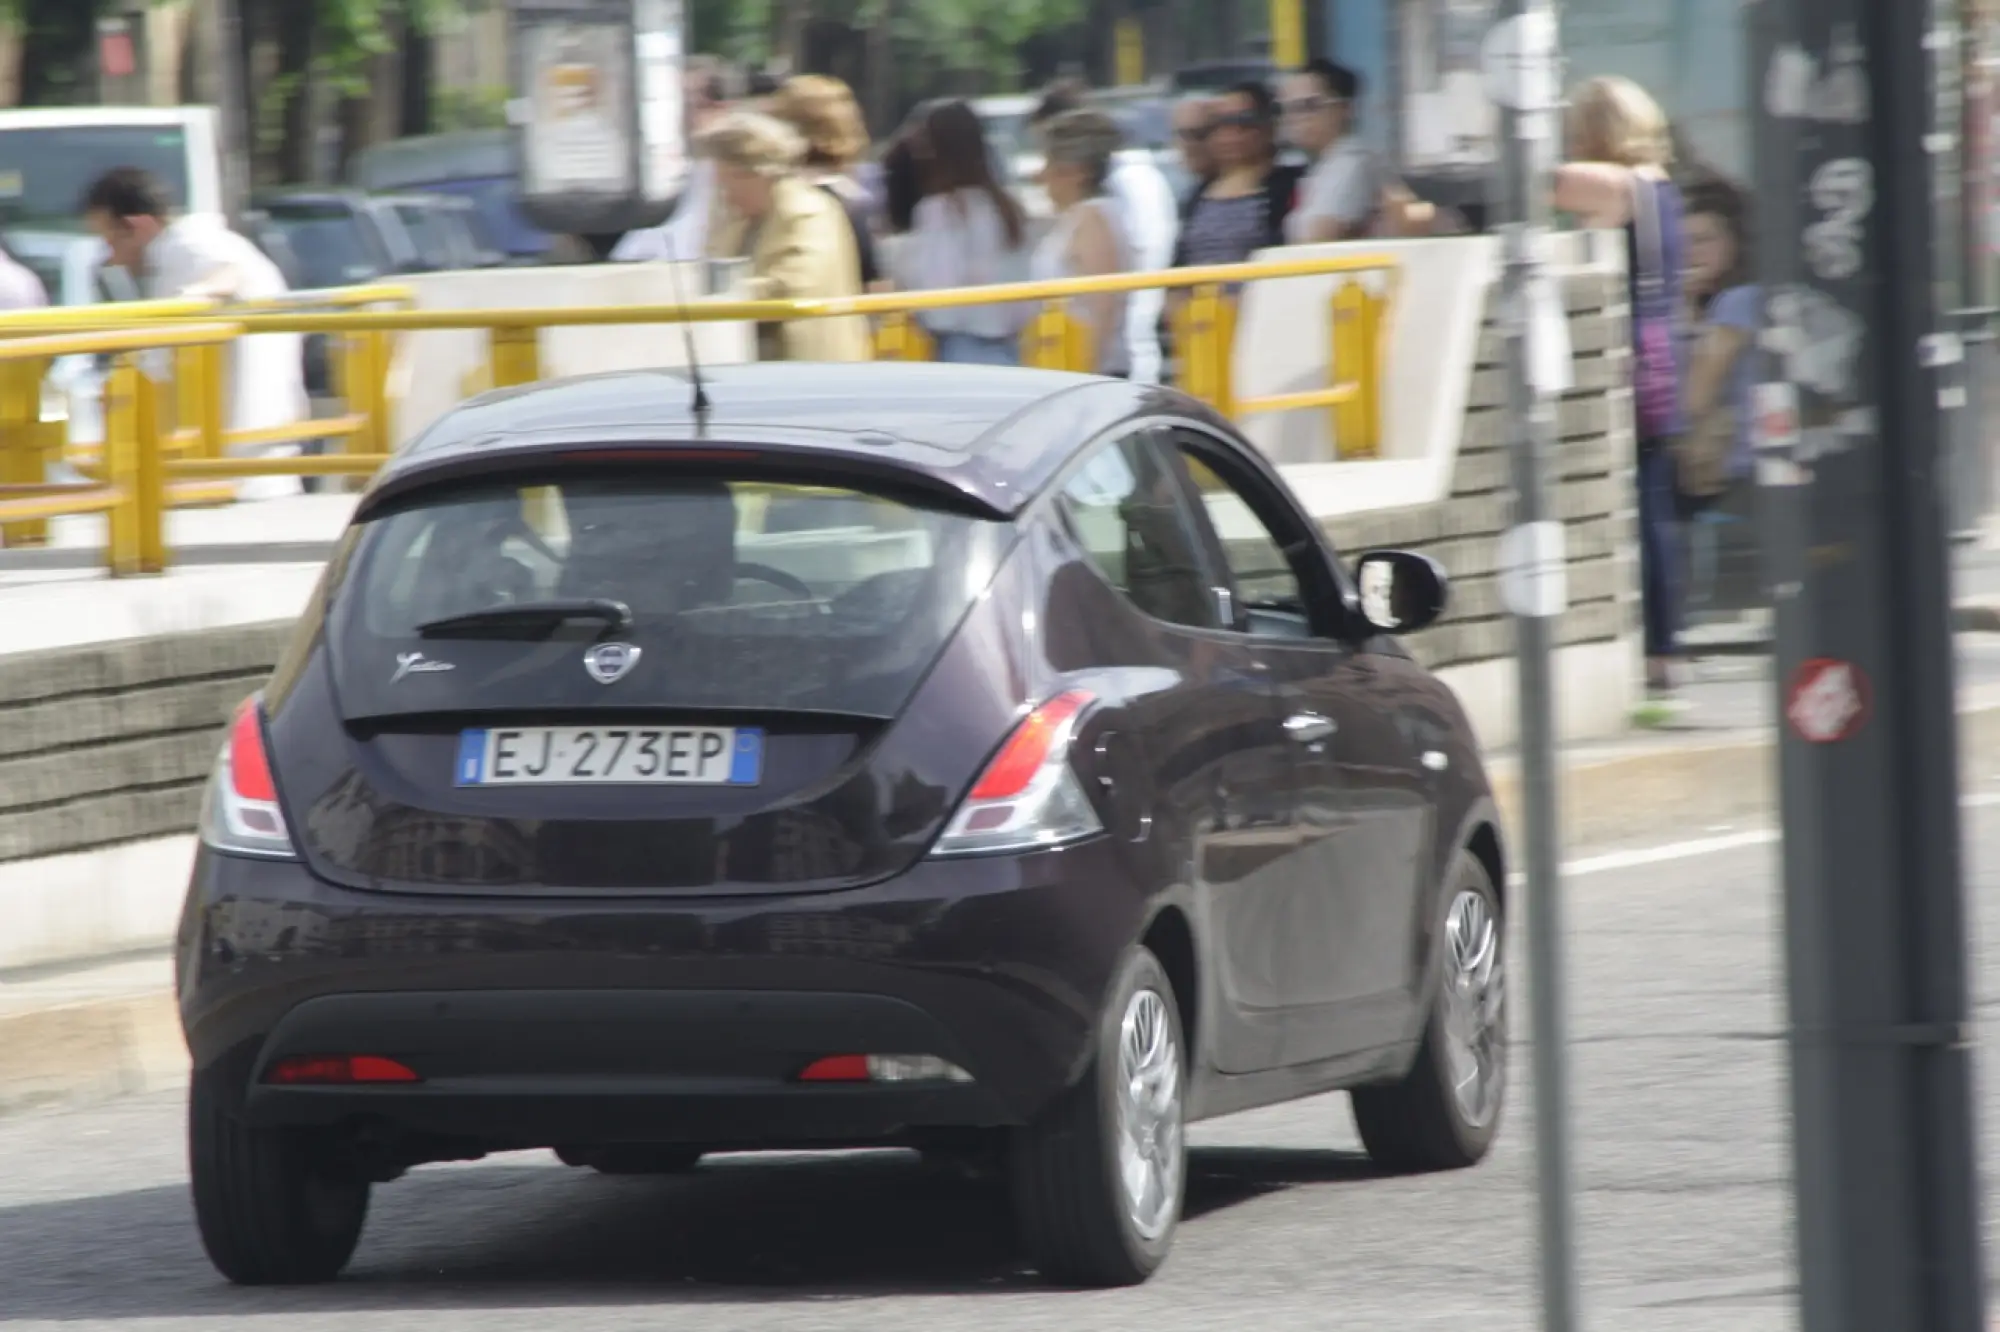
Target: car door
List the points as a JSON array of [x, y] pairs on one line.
[[1362, 810], [1219, 772]]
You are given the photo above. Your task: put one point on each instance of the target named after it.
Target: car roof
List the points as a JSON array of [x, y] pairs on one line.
[[991, 435]]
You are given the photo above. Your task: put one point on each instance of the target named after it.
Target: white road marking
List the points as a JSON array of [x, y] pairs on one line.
[[1613, 861]]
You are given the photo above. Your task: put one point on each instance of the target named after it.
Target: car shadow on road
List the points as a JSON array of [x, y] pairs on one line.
[[738, 1230]]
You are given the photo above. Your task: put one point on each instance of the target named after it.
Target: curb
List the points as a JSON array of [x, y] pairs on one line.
[[52, 1058], [1967, 617], [1634, 793], [90, 1048]]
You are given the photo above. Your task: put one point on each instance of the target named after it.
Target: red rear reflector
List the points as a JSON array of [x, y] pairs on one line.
[[339, 1070], [1028, 748], [837, 1068], [249, 772]]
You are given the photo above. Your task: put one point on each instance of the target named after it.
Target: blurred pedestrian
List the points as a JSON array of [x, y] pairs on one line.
[[1151, 221], [968, 231], [1089, 235], [1725, 308], [194, 255], [685, 233], [1342, 195], [795, 235], [1616, 177], [824, 112], [1193, 119], [20, 289], [1242, 208]]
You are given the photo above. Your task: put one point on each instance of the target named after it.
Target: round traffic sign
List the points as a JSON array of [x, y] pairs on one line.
[[1828, 700]]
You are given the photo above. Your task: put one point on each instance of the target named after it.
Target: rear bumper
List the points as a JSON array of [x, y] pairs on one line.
[[545, 1023]]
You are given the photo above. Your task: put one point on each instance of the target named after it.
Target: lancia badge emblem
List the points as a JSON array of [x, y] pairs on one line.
[[609, 663]]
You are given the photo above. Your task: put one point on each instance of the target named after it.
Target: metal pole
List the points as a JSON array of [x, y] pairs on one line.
[[1851, 462], [233, 134], [1521, 71]]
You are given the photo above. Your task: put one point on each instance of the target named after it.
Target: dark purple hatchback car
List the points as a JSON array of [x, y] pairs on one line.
[[991, 762]]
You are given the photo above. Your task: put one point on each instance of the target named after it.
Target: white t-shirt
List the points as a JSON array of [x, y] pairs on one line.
[[683, 236], [959, 240], [1151, 215], [20, 289], [1344, 185], [266, 381]]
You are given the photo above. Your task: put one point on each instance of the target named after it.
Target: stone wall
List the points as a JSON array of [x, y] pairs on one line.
[[111, 743], [1594, 498]]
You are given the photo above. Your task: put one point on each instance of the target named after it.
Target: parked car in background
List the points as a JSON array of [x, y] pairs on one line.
[[479, 165], [441, 228], [337, 237]]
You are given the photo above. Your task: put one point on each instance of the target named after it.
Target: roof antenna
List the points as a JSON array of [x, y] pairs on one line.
[[687, 326]]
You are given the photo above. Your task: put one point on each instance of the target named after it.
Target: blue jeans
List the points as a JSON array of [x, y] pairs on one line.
[[971, 349], [1662, 577]]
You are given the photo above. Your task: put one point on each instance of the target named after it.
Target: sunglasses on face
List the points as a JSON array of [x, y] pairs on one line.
[[1238, 120], [1192, 133], [1305, 106]]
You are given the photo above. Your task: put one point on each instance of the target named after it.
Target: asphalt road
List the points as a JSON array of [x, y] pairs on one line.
[[1682, 1163]]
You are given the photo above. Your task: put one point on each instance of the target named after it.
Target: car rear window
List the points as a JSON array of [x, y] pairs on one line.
[[743, 595]]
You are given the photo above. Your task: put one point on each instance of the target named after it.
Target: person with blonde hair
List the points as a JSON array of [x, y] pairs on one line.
[[1619, 149], [824, 112], [795, 235], [1089, 236]]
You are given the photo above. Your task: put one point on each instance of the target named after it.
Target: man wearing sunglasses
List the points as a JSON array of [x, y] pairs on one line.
[[1343, 190]]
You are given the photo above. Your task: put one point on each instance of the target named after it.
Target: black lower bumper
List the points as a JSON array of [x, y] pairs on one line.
[[576, 1022], [714, 1068]]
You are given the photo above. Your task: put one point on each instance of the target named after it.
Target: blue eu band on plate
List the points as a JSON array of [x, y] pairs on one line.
[[628, 755]]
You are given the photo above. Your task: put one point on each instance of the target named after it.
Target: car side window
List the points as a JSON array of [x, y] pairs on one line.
[[1128, 512], [1264, 577]]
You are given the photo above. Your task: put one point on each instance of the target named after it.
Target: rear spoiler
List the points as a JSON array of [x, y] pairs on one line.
[[890, 472]]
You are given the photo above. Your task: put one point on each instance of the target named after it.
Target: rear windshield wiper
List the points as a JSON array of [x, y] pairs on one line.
[[528, 619]]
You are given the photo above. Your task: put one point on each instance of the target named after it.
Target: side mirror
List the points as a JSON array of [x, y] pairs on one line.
[[1401, 591]]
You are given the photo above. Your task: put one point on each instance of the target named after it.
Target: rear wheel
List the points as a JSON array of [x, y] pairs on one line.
[[1098, 1180], [275, 1206], [1444, 1113]]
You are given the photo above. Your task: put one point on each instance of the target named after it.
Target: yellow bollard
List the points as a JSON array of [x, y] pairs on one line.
[[1055, 341], [121, 466], [899, 337], [149, 474], [1354, 341], [515, 355], [1205, 340], [21, 443]]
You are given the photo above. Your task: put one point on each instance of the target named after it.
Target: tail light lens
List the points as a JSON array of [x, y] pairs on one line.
[[1028, 796], [240, 812]]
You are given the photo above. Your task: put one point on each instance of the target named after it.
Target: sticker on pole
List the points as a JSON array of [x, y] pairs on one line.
[[1518, 59], [1534, 570], [1828, 700]]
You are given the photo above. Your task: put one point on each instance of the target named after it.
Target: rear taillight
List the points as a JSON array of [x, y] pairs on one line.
[[338, 1071], [240, 811], [1028, 796]]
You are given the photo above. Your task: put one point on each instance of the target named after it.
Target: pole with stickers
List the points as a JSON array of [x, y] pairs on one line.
[[1856, 101], [1521, 69]]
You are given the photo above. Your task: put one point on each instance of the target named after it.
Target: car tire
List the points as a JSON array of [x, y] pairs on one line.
[[275, 1206], [632, 1160], [1423, 1122], [1080, 1222]]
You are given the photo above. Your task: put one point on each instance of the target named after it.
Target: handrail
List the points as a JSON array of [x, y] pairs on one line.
[[775, 311], [107, 314], [147, 337]]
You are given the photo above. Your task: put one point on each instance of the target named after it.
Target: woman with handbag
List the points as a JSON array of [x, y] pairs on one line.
[[1616, 178]]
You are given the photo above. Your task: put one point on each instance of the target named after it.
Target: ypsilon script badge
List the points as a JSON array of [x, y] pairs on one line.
[[610, 662], [416, 663]]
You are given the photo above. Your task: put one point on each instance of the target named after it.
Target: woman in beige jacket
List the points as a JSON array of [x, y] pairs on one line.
[[795, 235]]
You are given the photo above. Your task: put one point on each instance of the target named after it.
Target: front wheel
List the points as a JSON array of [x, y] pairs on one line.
[[1445, 1112], [1099, 1178], [275, 1206]]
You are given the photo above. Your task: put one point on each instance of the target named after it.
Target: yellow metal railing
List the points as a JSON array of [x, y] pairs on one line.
[[149, 462]]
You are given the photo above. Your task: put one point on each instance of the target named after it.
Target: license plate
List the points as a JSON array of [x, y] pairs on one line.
[[611, 755]]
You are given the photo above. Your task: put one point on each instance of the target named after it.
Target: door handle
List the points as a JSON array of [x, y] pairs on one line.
[[1309, 727]]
